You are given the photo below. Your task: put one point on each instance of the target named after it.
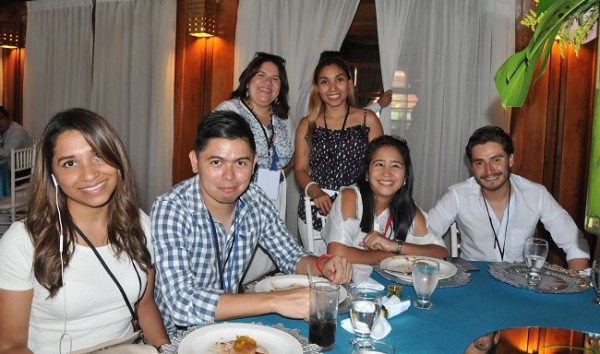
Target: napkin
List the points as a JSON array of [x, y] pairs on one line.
[[382, 327], [361, 277]]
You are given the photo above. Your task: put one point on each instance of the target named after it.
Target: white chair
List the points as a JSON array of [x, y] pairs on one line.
[[454, 241], [14, 207], [35, 140], [310, 236]]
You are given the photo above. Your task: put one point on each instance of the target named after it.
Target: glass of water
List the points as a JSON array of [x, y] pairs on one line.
[[425, 276], [365, 309], [373, 347], [595, 273], [535, 252]]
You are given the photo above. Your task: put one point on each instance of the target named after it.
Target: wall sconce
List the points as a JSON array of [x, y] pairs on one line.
[[202, 17], [10, 35]]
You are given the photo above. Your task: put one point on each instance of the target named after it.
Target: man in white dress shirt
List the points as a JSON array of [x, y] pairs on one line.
[[496, 211]]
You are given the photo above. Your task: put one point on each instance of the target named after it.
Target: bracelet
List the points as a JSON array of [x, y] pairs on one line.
[[308, 186], [322, 257], [399, 247]]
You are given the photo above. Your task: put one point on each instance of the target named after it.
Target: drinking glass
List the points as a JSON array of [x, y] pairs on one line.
[[372, 347], [365, 309], [534, 252], [425, 276], [595, 273], [323, 310]]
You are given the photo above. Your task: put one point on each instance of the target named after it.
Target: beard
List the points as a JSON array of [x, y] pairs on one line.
[[493, 188]]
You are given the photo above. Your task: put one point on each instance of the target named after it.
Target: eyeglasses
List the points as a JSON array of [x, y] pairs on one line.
[[271, 57]]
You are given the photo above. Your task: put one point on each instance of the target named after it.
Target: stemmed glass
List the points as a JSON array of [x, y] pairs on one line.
[[365, 309], [425, 276], [534, 252], [596, 279], [372, 347]]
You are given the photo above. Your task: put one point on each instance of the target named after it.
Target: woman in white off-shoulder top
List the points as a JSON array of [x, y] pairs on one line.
[[378, 218]]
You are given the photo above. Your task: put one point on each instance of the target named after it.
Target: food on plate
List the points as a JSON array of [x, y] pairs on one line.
[[243, 344]]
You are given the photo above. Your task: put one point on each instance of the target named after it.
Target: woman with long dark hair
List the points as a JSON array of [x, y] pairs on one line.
[[54, 291], [331, 140], [378, 218]]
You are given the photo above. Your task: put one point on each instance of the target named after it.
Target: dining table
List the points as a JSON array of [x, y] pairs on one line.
[[462, 314]]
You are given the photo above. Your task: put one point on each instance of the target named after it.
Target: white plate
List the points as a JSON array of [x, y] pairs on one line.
[[284, 282], [401, 267], [205, 340]]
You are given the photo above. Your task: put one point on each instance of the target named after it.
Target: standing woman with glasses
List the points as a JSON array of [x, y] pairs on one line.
[[331, 141], [378, 218], [261, 99]]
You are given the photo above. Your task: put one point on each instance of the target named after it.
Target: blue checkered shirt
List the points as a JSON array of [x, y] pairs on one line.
[[187, 273]]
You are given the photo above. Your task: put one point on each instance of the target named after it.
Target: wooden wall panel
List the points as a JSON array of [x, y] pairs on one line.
[[552, 129], [203, 78]]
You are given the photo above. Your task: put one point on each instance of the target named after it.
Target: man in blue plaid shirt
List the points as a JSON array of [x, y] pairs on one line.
[[206, 229]]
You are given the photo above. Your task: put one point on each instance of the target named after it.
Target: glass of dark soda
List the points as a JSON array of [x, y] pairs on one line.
[[323, 312]]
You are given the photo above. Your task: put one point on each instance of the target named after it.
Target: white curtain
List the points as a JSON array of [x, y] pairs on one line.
[[444, 53], [58, 64], [133, 84], [298, 31]]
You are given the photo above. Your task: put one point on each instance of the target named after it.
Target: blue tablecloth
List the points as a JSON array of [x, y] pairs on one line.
[[462, 314], [4, 178]]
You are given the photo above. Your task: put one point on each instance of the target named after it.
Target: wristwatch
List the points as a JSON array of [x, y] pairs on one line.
[[399, 247]]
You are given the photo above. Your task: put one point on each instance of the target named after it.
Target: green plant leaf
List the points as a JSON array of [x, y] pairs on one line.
[[514, 77], [543, 5]]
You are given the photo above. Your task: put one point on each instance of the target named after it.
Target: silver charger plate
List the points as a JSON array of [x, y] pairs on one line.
[[459, 279], [555, 279]]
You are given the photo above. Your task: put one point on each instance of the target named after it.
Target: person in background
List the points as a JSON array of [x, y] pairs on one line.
[[379, 103], [261, 99], [496, 210], [12, 135], [207, 228], [377, 218], [83, 188], [331, 140]]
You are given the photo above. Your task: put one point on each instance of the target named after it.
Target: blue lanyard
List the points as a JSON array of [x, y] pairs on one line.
[[221, 265]]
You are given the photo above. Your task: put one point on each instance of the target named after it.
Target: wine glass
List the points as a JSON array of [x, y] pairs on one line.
[[425, 276], [595, 273], [534, 252], [365, 309], [372, 347]]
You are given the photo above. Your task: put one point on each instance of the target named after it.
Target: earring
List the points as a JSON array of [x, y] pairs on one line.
[[404, 183], [367, 178]]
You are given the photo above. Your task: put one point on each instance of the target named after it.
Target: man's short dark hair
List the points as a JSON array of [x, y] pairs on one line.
[[487, 134], [4, 113], [223, 124]]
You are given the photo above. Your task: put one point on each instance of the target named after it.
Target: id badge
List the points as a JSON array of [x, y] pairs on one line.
[[269, 182]]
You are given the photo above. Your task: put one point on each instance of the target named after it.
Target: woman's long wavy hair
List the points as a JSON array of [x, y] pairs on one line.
[[280, 106], [125, 231], [402, 207], [316, 106]]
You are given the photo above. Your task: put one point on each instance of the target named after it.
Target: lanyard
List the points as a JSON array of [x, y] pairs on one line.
[[496, 241], [387, 224], [270, 127], [221, 265]]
